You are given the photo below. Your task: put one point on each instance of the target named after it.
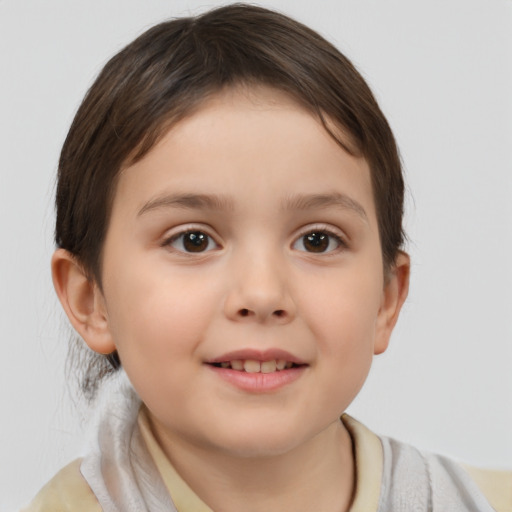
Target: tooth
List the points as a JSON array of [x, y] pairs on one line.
[[268, 366], [288, 365], [224, 364], [237, 364], [251, 366], [280, 364]]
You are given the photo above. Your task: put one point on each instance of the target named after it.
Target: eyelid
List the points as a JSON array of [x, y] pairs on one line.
[[329, 230], [178, 231], [322, 226]]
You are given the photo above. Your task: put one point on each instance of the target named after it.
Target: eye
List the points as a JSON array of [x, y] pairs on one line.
[[318, 241], [192, 241]]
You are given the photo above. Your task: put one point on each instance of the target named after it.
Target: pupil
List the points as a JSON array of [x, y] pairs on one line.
[[316, 242], [195, 241]]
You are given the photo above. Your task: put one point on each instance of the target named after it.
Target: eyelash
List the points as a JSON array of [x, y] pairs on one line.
[[200, 236], [322, 231]]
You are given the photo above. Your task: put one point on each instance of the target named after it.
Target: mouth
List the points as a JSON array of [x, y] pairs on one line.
[[258, 375], [258, 371], [256, 366]]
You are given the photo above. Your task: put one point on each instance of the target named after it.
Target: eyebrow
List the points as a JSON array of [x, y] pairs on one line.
[[218, 202], [187, 202], [319, 201]]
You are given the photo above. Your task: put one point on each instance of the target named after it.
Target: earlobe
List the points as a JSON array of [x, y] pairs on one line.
[[394, 294], [82, 301]]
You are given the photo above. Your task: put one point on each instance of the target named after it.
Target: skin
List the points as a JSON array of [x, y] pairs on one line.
[[272, 175]]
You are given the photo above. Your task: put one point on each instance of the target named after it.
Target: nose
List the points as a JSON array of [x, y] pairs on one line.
[[260, 292]]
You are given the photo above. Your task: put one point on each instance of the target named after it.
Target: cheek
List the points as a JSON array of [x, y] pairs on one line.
[[157, 317], [342, 315], [157, 325], [344, 306]]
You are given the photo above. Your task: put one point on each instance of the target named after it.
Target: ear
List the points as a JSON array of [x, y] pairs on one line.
[[82, 301], [396, 288]]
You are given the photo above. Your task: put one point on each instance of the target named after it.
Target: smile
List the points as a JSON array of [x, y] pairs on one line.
[[254, 366], [258, 371]]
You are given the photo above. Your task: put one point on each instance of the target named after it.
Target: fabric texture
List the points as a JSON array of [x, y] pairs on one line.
[[183, 496], [125, 470], [495, 484], [67, 491], [118, 467], [417, 482]]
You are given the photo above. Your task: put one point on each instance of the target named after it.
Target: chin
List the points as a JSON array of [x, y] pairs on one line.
[[253, 448], [259, 439]]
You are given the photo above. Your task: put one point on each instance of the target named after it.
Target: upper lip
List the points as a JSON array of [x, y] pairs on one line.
[[257, 355]]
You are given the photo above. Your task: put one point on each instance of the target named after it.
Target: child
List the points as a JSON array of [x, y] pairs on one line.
[[229, 232]]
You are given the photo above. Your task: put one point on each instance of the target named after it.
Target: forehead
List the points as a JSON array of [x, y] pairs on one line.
[[244, 137]]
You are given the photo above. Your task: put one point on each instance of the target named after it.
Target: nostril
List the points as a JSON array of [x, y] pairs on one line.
[[245, 312]]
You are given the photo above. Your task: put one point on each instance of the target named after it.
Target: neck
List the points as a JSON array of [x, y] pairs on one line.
[[317, 475]]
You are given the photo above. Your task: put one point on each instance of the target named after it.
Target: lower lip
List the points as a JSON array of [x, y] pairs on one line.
[[259, 382]]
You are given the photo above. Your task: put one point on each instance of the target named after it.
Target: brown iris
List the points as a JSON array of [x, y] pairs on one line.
[[195, 241], [316, 242]]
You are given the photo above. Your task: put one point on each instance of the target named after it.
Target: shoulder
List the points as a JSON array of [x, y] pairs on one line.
[[496, 485], [66, 491], [442, 481]]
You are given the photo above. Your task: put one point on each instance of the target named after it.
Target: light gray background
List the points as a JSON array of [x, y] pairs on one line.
[[442, 71]]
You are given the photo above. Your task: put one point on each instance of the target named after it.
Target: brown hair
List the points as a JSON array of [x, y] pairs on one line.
[[167, 72]]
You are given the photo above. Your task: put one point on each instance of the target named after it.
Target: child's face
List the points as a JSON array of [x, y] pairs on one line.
[[247, 233]]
